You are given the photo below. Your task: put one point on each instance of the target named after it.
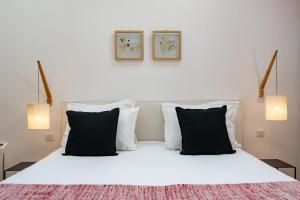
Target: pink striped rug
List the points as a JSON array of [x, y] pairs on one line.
[[276, 190]]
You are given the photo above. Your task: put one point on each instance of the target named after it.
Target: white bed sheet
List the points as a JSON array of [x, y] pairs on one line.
[[151, 164]]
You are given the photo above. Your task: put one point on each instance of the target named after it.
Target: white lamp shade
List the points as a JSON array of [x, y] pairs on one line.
[[38, 116], [276, 108]]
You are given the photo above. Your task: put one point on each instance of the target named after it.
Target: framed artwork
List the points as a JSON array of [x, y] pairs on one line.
[[129, 45], [166, 45]]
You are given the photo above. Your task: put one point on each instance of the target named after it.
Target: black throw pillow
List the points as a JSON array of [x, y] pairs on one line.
[[92, 133], [204, 131]]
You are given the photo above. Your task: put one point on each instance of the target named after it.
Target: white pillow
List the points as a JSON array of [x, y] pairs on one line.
[[172, 130], [124, 104], [80, 107], [125, 139]]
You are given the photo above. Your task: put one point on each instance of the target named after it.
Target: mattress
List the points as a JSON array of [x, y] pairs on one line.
[[151, 164]]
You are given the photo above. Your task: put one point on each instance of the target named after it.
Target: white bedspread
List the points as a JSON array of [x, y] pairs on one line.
[[151, 164]]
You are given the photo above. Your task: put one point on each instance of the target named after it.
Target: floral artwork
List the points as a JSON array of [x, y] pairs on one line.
[[129, 45], [166, 45]]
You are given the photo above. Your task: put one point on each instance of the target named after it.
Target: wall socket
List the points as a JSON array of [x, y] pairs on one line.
[[260, 133], [49, 137]]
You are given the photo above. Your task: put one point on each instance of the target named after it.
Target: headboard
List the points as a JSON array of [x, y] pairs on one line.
[[150, 123]]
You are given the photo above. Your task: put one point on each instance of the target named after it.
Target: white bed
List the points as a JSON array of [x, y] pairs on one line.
[[151, 164]]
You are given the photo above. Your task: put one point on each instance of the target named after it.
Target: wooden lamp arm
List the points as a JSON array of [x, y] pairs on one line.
[[46, 87], [267, 74]]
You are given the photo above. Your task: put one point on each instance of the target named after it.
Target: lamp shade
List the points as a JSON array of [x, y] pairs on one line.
[[38, 116], [276, 108]]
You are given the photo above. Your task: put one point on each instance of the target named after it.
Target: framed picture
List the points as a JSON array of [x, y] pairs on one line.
[[129, 45], [166, 45]]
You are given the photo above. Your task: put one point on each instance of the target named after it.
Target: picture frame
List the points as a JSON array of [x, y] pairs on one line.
[[166, 45], [129, 45]]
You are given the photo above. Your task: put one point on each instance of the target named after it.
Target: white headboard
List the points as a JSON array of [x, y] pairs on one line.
[[150, 123]]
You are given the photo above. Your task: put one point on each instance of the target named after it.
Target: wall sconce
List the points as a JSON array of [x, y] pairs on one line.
[[39, 114], [276, 106]]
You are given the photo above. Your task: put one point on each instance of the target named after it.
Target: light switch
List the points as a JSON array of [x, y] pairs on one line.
[[260, 133], [49, 137]]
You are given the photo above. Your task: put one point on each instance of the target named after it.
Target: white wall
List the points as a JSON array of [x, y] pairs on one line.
[[226, 47]]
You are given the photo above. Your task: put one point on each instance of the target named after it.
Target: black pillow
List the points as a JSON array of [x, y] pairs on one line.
[[204, 131], [92, 133]]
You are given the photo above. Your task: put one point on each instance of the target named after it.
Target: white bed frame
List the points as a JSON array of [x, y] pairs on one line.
[[150, 123]]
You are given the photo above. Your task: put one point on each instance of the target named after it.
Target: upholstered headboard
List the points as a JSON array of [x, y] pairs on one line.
[[150, 123]]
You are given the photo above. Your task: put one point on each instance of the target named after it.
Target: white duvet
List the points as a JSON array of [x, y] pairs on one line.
[[150, 164]]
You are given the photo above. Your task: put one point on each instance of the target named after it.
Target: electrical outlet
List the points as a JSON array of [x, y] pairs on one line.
[[49, 137], [260, 133]]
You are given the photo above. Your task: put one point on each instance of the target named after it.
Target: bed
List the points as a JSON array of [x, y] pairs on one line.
[[164, 167], [151, 172]]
